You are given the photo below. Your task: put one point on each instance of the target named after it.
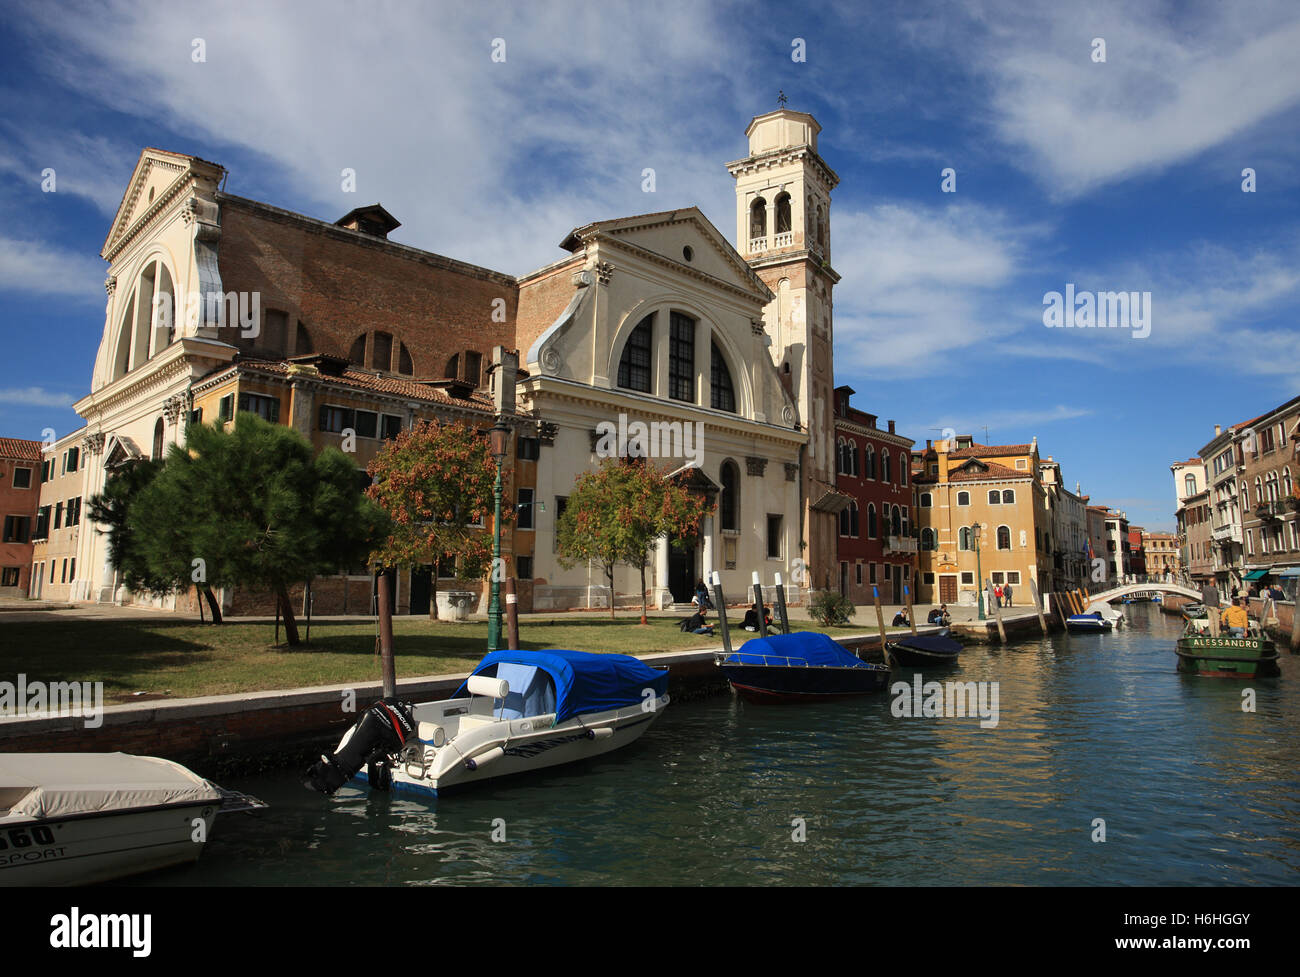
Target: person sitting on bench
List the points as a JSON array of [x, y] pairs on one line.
[[750, 623], [901, 621]]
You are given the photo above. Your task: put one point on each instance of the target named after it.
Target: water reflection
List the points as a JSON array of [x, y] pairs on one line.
[[1192, 789]]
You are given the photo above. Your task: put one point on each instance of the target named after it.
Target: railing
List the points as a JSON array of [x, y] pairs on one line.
[[757, 245], [1230, 532], [1271, 510], [900, 544], [783, 240]]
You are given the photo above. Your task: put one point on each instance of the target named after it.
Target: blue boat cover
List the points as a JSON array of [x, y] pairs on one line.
[[801, 648], [935, 643], [583, 682]]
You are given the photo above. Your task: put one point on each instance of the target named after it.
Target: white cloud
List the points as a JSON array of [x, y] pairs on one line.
[[1170, 88], [35, 397], [34, 268]]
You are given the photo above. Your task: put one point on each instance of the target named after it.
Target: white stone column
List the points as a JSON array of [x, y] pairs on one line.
[[708, 566], [661, 572]]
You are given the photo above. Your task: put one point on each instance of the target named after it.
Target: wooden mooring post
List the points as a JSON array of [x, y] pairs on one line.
[[1038, 604], [997, 611]]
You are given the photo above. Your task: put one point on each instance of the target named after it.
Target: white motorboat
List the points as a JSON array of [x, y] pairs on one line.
[[1111, 615], [518, 711], [80, 818]]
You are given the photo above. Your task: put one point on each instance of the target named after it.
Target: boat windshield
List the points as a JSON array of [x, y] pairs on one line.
[[532, 692]]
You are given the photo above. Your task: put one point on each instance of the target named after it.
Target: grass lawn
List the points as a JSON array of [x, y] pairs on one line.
[[178, 658]]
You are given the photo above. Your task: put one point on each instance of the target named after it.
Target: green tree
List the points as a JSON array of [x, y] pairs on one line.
[[435, 482], [617, 512], [251, 505]]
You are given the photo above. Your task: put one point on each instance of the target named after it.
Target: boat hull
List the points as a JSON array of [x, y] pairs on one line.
[[792, 683], [85, 849], [571, 741], [1224, 657]]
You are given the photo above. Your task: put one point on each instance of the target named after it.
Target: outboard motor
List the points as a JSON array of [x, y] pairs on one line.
[[380, 733]]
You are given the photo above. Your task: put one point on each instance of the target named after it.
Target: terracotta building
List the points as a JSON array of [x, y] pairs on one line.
[[20, 493], [873, 469]]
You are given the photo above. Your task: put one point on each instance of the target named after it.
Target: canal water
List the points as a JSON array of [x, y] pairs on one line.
[[1192, 790]]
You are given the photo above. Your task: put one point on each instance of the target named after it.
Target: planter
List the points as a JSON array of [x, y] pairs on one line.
[[454, 605]]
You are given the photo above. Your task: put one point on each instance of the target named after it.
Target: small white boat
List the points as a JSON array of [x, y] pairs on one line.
[[81, 818], [1108, 612], [518, 711], [1090, 622]]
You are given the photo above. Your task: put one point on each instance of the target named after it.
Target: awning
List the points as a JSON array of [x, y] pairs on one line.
[[832, 502], [1289, 572], [1255, 575]]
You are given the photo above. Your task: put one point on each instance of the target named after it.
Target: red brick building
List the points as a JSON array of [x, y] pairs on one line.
[[873, 472], [20, 495]]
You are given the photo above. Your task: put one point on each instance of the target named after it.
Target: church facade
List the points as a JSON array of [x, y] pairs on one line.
[[653, 335]]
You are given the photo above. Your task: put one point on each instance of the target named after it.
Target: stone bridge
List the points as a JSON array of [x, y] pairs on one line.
[[1106, 596]]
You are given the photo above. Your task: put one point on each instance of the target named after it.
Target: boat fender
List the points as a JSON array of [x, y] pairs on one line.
[[603, 733], [483, 759]]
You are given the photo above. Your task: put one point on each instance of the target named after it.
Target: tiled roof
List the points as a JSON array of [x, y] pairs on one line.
[[365, 381], [994, 471], [979, 450], [21, 449]]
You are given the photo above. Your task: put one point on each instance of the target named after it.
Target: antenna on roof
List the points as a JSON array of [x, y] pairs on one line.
[[780, 98]]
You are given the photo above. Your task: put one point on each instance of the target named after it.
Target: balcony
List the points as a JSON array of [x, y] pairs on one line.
[[757, 245], [1271, 511], [899, 544], [783, 240], [1230, 533]]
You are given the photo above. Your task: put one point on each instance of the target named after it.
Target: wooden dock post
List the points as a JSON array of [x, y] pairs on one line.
[[720, 605], [1038, 604], [880, 621], [907, 595], [1295, 626], [780, 605], [997, 612]]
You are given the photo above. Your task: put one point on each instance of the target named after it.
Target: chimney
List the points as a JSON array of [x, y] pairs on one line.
[[1217, 430], [891, 427], [505, 372], [928, 444]]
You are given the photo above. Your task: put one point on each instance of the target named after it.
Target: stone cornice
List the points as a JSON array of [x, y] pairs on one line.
[[172, 363], [562, 391], [783, 157], [753, 295], [123, 234], [873, 432]]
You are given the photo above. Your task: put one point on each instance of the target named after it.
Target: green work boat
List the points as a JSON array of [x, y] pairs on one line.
[[1201, 653]]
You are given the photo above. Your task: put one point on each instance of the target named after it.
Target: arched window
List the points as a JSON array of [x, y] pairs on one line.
[[357, 355], [783, 225], [844, 521], [854, 527], [453, 367], [1004, 537], [724, 394], [681, 357], [927, 539], [903, 465], [927, 500], [158, 440], [963, 498], [995, 497], [405, 365], [730, 503], [1245, 495], [869, 462], [871, 521], [634, 366], [896, 522], [302, 344], [1287, 489], [965, 538], [884, 466], [1189, 482], [1008, 497], [758, 219], [381, 351]]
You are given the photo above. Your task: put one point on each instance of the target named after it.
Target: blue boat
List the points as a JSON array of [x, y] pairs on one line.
[[517, 712], [921, 650], [1087, 623], [800, 667]]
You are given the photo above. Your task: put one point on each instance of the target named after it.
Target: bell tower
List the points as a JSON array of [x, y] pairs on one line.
[[783, 202]]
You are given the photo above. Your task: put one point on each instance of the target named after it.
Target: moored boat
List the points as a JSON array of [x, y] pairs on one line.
[[1222, 656], [1087, 623], [802, 667], [518, 711], [81, 818], [921, 650]]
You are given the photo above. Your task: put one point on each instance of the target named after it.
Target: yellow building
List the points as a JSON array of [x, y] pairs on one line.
[[960, 485]]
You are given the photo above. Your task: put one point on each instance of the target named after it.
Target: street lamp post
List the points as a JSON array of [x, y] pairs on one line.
[[498, 438], [979, 572]]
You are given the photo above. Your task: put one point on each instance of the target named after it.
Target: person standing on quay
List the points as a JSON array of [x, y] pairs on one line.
[[1210, 601], [1006, 592]]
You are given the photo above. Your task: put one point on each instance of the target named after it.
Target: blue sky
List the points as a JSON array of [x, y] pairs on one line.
[[1117, 175]]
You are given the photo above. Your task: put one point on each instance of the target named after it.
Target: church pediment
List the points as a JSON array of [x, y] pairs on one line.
[[683, 238], [119, 450], [157, 173]]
